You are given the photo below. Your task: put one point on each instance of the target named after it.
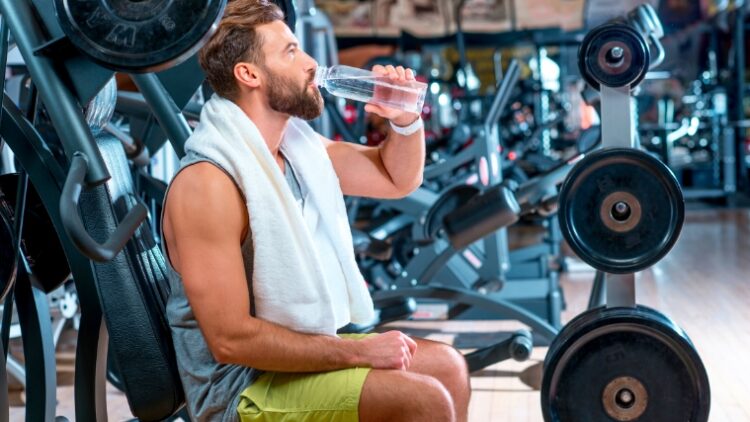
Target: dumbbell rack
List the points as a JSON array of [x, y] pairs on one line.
[[621, 211]]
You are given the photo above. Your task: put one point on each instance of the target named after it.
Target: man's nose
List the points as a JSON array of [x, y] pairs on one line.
[[311, 64]]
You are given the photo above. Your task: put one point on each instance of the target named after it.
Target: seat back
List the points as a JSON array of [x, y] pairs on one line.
[[133, 290]]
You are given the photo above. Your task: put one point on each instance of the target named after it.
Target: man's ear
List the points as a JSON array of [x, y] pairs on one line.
[[247, 74]]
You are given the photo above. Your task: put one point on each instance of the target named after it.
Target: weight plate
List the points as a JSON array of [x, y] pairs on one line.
[[624, 364], [40, 243], [621, 210], [613, 55], [139, 35], [8, 264]]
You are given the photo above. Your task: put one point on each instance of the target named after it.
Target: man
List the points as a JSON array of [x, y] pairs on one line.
[[212, 241]]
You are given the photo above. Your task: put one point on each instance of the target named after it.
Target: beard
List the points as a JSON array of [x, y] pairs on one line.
[[305, 103]]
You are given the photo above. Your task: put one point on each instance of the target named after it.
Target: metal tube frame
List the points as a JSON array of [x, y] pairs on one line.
[[47, 176], [618, 132], [64, 110], [169, 116]]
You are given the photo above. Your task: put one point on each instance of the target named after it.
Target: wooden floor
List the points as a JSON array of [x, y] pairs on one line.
[[703, 284]]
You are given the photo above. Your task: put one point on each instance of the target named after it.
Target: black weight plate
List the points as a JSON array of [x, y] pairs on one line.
[[594, 49], [639, 346], [632, 173], [8, 264], [139, 35], [448, 201], [40, 243]]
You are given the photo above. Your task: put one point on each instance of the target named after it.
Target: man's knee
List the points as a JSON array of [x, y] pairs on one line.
[[403, 396], [447, 363], [435, 399], [456, 361]]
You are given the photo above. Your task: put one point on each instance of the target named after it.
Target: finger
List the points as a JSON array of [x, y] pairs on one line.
[[411, 344], [397, 363], [406, 353], [405, 364], [392, 71], [379, 69], [372, 108], [401, 72], [409, 74]]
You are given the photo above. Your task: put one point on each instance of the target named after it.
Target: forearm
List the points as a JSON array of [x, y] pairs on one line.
[[267, 346], [403, 158]]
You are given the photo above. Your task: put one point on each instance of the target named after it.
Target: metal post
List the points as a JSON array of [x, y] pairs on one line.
[[739, 74], [617, 120], [496, 244], [3, 55], [4, 404], [620, 290], [38, 348], [169, 116], [598, 291]]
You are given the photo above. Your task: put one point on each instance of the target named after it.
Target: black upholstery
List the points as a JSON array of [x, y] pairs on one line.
[[133, 290]]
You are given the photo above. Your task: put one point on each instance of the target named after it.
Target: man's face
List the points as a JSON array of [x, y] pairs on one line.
[[289, 73]]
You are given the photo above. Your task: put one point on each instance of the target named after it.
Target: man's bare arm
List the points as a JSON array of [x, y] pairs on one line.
[[392, 170], [205, 219]]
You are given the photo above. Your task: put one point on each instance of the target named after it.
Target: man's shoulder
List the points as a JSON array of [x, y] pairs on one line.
[[204, 201], [202, 183]]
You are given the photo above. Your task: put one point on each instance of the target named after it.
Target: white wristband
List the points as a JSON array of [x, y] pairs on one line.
[[408, 130]]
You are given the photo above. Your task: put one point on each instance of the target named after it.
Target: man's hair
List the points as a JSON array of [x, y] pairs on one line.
[[236, 40]]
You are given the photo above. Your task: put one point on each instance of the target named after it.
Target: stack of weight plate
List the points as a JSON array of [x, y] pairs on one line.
[[621, 211]]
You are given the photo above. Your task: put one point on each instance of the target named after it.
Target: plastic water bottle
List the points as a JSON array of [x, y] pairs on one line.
[[363, 85]]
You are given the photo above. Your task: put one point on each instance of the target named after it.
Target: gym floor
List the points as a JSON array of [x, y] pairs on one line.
[[703, 284]]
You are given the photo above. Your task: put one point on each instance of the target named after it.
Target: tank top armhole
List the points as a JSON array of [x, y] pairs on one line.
[[165, 250]]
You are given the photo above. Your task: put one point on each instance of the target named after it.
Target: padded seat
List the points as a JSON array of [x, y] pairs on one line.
[[133, 290]]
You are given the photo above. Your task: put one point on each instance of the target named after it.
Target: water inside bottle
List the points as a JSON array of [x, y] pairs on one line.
[[408, 96]]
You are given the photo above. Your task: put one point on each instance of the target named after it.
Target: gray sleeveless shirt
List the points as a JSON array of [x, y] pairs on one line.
[[212, 389]]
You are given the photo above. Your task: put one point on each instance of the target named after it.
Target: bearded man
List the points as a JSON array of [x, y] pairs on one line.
[[255, 235]]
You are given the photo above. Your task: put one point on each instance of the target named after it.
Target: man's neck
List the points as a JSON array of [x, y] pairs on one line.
[[271, 124]]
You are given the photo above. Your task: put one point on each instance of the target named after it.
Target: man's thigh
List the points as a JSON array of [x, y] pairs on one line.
[[306, 397], [335, 396], [398, 396]]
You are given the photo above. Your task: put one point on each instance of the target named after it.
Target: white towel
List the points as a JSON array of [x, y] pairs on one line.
[[289, 285]]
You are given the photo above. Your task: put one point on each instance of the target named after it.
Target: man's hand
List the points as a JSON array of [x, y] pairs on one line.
[[396, 74], [390, 350]]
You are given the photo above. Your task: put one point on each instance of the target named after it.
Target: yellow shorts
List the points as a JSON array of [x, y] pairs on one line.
[[305, 397]]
